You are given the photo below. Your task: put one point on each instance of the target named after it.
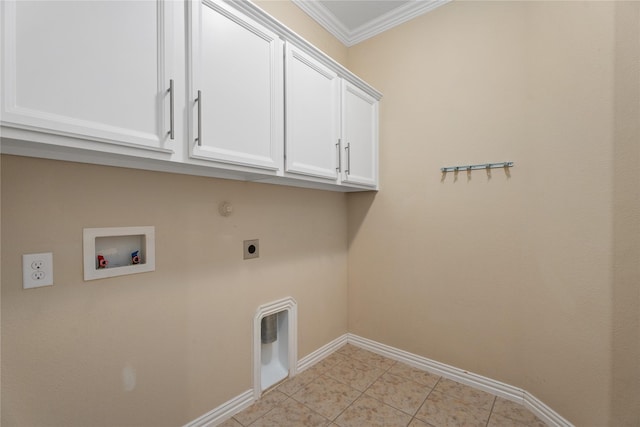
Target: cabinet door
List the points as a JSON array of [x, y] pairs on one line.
[[312, 116], [359, 136], [93, 70], [236, 83]]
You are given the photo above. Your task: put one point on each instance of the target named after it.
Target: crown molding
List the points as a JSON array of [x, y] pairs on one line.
[[372, 28], [325, 18]]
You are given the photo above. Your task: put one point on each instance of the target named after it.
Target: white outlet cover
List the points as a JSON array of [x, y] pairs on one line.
[[37, 270]]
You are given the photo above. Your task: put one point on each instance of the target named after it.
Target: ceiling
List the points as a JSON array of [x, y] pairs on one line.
[[353, 21]]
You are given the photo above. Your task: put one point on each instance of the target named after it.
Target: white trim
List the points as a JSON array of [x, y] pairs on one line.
[[286, 304], [324, 17], [256, 13], [473, 380], [224, 411], [544, 412], [326, 350], [489, 385], [509, 392], [384, 22], [394, 18]]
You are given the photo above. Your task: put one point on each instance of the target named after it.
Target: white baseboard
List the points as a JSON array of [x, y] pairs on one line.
[[324, 351], [229, 409], [473, 380], [515, 394], [544, 412], [224, 411], [489, 385]]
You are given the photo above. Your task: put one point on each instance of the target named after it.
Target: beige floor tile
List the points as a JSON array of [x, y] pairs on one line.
[[355, 374], [290, 386], [329, 361], [469, 395], [418, 375], [261, 407], [401, 393], [230, 423], [327, 396], [347, 350], [500, 421], [358, 388], [537, 423], [291, 414], [515, 412], [447, 411], [372, 359], [369, 412]]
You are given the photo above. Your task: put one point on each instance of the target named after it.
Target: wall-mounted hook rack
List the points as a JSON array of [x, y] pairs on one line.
[[475, 167]]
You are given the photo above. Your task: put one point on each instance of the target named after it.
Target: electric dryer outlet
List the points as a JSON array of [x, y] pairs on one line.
[[251, 249]]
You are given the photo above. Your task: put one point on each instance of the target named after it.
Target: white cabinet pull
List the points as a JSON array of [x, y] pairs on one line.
[[339, 166], [199, 101], [171, 111], [347, 149]]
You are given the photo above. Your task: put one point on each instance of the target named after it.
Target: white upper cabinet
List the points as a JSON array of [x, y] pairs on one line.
[[312, 116], [96, 70], [236, 86], [359, 136], [206, 87]]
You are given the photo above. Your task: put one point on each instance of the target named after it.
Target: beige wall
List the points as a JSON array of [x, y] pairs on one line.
[[625, 381], [510, 277], [185, 329]]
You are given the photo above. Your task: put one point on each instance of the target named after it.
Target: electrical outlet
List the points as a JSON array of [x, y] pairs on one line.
[[37, 270], [38, 275]]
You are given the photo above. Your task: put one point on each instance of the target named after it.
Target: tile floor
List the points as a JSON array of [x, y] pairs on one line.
[[357, 388]]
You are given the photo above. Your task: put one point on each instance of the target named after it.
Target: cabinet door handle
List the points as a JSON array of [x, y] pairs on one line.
[[199, 101], [339, 166], [171, 111], [347, 149]]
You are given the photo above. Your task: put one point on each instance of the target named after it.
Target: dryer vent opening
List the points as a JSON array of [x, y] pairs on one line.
[[269, 329], [275, 344]]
